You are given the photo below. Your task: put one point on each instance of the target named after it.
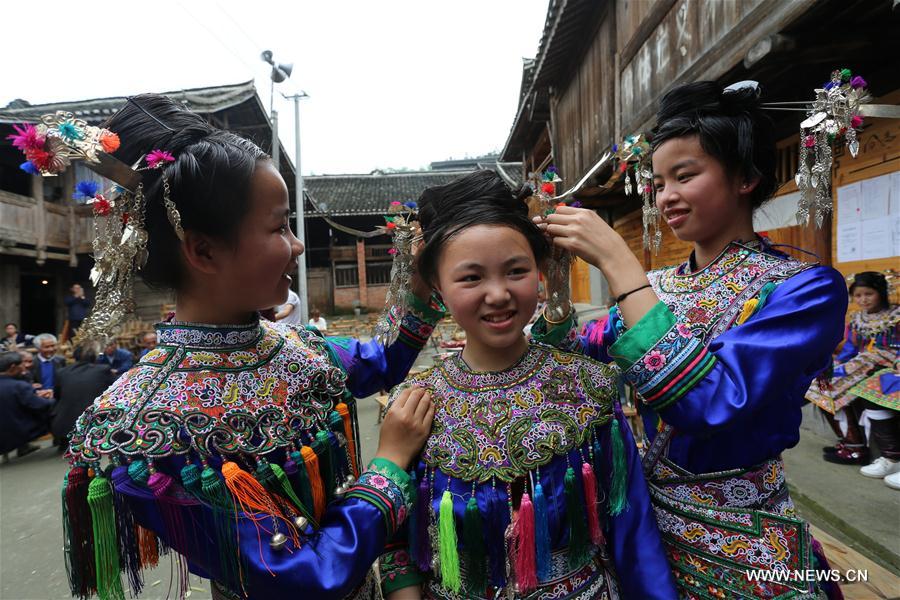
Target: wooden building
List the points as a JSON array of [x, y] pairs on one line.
[[347, 266], [602, 65], [45, 238]]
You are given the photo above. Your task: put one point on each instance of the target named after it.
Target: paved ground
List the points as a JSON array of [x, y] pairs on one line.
[[860, 513]]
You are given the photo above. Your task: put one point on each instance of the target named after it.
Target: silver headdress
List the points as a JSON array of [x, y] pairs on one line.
[[401, 224], [120, 237], [834, 114]]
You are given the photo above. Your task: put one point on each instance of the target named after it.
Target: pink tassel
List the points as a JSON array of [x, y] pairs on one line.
[[169, 501], [590, 502], [525, 556]]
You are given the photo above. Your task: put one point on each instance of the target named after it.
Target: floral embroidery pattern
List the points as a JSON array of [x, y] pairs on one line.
[[192, 394], [705, 304], [504, 424]]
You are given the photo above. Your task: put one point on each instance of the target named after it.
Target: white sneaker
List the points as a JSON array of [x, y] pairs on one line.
[[880, 468], [893, 481]]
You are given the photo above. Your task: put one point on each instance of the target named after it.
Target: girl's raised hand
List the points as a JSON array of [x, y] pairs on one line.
[[406, 426], [583, 233]]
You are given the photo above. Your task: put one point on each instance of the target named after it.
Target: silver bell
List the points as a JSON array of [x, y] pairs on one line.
[[339, 491], [300, 523], [435, 565], [278, 541], [350, 480]]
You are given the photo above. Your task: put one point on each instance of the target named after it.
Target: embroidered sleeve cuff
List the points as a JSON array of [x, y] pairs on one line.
[[417, 324], [661, 357], [388, 487], [561, 335], [398, 571]]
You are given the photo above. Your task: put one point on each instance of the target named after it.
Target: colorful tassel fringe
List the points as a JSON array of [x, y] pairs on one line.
[[295, 469], [541, 534], [322, 448], [215, 492], [496, 538], [311, 460], [169, 507], [525, 565], [618, 498], [129, 550], [589, 480], [579, 549], [447, 543], [81, 542], [473, 543], [344, 411], [106, 551]]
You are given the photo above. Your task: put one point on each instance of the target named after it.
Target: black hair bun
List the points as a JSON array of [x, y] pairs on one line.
[[443, 204], [707, 97]]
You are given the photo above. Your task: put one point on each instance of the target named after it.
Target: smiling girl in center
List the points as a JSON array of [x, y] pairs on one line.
[[530, 482]]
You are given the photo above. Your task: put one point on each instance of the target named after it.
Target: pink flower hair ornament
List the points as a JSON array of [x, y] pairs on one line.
[[158, 158]]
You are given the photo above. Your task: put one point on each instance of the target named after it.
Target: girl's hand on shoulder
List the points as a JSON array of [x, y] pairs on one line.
[[406, 426]]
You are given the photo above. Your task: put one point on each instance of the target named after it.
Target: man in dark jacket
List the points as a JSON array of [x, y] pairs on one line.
[[117, 359], [78, 307], [46, 363], [76, 388], [24, 415]]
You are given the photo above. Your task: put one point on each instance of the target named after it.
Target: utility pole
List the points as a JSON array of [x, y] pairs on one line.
[[301, 225]]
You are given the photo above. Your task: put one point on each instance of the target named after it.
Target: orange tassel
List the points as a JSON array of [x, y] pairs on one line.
[[148, 549], [315, 480], [344, 411], [251, 498]]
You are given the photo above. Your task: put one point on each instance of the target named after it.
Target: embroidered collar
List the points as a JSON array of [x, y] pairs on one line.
[[869, 325], [213, 337], [689, 267], [503, 424]]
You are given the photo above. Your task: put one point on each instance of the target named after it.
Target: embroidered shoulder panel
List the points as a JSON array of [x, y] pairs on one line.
[[214, 392], [504, 424], [711, 300]]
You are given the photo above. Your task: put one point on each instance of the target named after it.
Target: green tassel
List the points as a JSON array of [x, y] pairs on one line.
[[579, 548], [322, 447], [449, 554], [72, 569], [305, 491], [106, 548], [190, 477], [475, 553], [618, 498], [139, 471], [217, 495], [288, 490]]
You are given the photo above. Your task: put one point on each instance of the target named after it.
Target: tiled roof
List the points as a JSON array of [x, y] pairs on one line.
[[347, 195], [95, 111]]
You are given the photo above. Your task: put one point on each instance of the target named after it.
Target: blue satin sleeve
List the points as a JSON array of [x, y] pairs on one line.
[[370, 366], [331, 561], [633, 536], [735, 401], [767, 364]]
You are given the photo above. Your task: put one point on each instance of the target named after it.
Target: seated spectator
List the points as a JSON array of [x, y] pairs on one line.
[[78, 307], [48, 363], [148, 343], [76, 388], [289, 312], [24, 413], [15, 340], [117, 359], [317, 320]]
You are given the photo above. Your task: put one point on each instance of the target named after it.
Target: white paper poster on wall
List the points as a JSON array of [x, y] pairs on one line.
[[849, 242], [877, 241], [875, 198], [895, 193], [848, 203]]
